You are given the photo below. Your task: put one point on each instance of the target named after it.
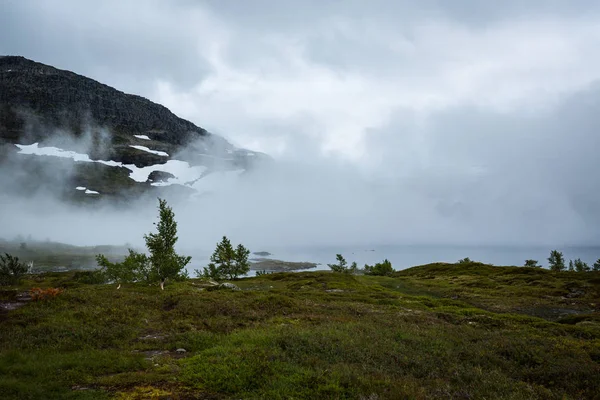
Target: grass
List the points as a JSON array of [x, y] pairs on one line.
[[47, 256], [309, 335], [532, 291]]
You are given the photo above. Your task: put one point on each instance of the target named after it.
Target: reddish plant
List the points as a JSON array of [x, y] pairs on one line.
[[44, 294]]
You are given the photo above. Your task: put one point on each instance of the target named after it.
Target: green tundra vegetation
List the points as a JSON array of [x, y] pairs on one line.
[[443, 331], [381, 269]]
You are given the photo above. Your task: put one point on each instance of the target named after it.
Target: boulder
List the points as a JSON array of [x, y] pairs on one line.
[[229, 286], [160, 176]]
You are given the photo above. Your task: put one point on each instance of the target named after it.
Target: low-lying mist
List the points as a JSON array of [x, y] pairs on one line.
[[294, 204], [472, 178]]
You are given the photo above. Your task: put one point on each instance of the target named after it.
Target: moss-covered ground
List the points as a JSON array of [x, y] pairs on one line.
[[444, 331]]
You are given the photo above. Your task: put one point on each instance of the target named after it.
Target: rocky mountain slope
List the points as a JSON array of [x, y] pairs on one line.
[[70, 134]]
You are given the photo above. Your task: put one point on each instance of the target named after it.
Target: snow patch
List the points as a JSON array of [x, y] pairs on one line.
[[80, 188], [145, 137], [52, 151], [88, 191], [182, 170], [144, 148]]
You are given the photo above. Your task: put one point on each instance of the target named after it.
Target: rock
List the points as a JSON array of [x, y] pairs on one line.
[[160, 176], [152, 354], [573, 293], [152, 337], [24, 296], [229, 286], [10, 306], [181, 351], [53, 94], [206, 284]]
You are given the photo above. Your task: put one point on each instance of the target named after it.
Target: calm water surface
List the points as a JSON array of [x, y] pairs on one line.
[[403, 257]]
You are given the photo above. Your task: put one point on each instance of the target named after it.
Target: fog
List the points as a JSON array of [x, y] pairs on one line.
[[388, 123]]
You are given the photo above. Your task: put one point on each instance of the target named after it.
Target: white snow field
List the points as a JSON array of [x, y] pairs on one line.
[[145, 137], [213, 181], [87, 191], [182, 170], [144, 148]]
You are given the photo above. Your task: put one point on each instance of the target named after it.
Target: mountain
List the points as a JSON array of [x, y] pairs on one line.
[[66, 133]]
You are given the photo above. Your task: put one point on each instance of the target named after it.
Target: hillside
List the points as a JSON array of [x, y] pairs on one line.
[[96, 137], [306, 335]]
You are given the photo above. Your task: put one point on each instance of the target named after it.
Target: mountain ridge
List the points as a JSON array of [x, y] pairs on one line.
[[30, 84], [47, 113]]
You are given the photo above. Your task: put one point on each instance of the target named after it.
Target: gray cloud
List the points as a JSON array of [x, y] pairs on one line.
[[463, 121]]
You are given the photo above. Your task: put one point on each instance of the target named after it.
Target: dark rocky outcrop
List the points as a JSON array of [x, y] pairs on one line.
[[62, 98], [160, 176]]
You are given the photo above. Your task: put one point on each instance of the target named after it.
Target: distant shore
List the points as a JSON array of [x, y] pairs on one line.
[[267, 264]]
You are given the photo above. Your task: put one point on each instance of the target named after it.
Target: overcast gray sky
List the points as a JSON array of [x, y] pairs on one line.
[[476, 117]]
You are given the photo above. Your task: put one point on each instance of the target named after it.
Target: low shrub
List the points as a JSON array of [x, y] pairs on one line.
[[11, 270], [380, 269], [38, 294]]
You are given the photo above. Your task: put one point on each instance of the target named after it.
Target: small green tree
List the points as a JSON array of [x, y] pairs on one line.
[[135, 268], [210, 272], [166, 263], [597, 265], [571, 267], [532, 264], [227, 263], [113, 272], [141, 264], [221, 261], [341, 265], [162, 264], [381, 269], [556, 261], [11, 270], [465, 260], [241, 264], [581, 266]]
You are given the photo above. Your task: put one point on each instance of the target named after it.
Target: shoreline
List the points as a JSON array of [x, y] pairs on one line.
[[272, 265]]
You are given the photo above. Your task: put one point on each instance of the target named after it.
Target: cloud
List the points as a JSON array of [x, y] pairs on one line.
[[402, 122]]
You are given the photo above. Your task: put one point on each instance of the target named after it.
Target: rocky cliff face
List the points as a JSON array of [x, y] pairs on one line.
[[65, 99], [65, 112]]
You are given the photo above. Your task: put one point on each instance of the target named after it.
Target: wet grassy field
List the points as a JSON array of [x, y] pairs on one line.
[[444, 331]]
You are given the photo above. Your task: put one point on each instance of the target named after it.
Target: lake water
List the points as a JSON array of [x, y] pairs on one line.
[[403, 257]]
